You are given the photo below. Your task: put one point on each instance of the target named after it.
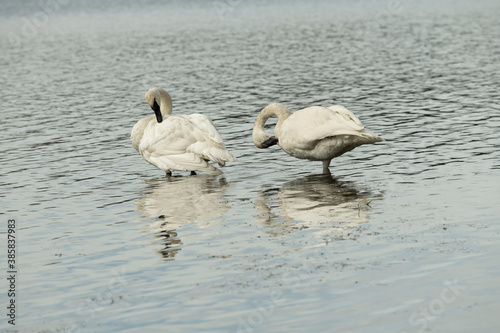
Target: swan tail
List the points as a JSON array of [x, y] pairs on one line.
[[371, 137]]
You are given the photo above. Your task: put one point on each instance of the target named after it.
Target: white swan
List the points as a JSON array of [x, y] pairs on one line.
[[178, 143], [315, 133]]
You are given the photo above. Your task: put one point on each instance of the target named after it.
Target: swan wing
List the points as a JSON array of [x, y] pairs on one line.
[[179, 144], [348, 115], [205, 127], [209, 142], [166, 144], [309, 125]]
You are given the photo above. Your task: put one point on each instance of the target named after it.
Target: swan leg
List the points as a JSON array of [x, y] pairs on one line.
[[326, 164], [169, 173], [193, 173]]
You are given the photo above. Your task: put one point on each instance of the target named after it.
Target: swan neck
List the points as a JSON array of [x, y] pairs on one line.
[[278, 110], [165, 103]]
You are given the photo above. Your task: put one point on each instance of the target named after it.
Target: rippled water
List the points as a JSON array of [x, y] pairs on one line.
[[402, 238]]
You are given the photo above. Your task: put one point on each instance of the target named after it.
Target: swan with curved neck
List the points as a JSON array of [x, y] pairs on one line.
[[260, 138], [178, 143], [315, 133]]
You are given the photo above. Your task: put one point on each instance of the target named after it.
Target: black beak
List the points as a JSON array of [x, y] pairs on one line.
[[270, 142], [156, 109]]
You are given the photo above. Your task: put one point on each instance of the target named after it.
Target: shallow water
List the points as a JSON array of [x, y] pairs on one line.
[[402, 238]]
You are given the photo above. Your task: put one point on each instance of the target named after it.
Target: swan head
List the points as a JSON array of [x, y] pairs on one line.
[[159, 100], [260, 138], [265, 142]]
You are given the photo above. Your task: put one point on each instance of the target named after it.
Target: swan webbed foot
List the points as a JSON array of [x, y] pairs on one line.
[[193, 173], [168, 174]]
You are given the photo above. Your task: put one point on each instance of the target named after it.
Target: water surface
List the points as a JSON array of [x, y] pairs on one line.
[[403, 237]]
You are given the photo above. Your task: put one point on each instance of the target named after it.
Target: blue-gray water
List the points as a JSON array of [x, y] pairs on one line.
[[403, 238]]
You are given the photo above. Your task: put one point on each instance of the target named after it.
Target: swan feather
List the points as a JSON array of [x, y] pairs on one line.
[[183, 142]]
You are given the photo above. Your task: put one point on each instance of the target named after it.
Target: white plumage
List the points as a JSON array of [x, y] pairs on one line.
[[315, 133], [178, 143]]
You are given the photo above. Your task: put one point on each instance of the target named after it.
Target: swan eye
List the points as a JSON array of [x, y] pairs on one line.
[[270, 142]]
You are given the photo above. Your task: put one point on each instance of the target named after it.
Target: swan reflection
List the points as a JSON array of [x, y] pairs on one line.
[[313, 201], [175, 201]]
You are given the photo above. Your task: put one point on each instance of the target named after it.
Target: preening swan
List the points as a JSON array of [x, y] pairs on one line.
[[315, 133], [178, 143]]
